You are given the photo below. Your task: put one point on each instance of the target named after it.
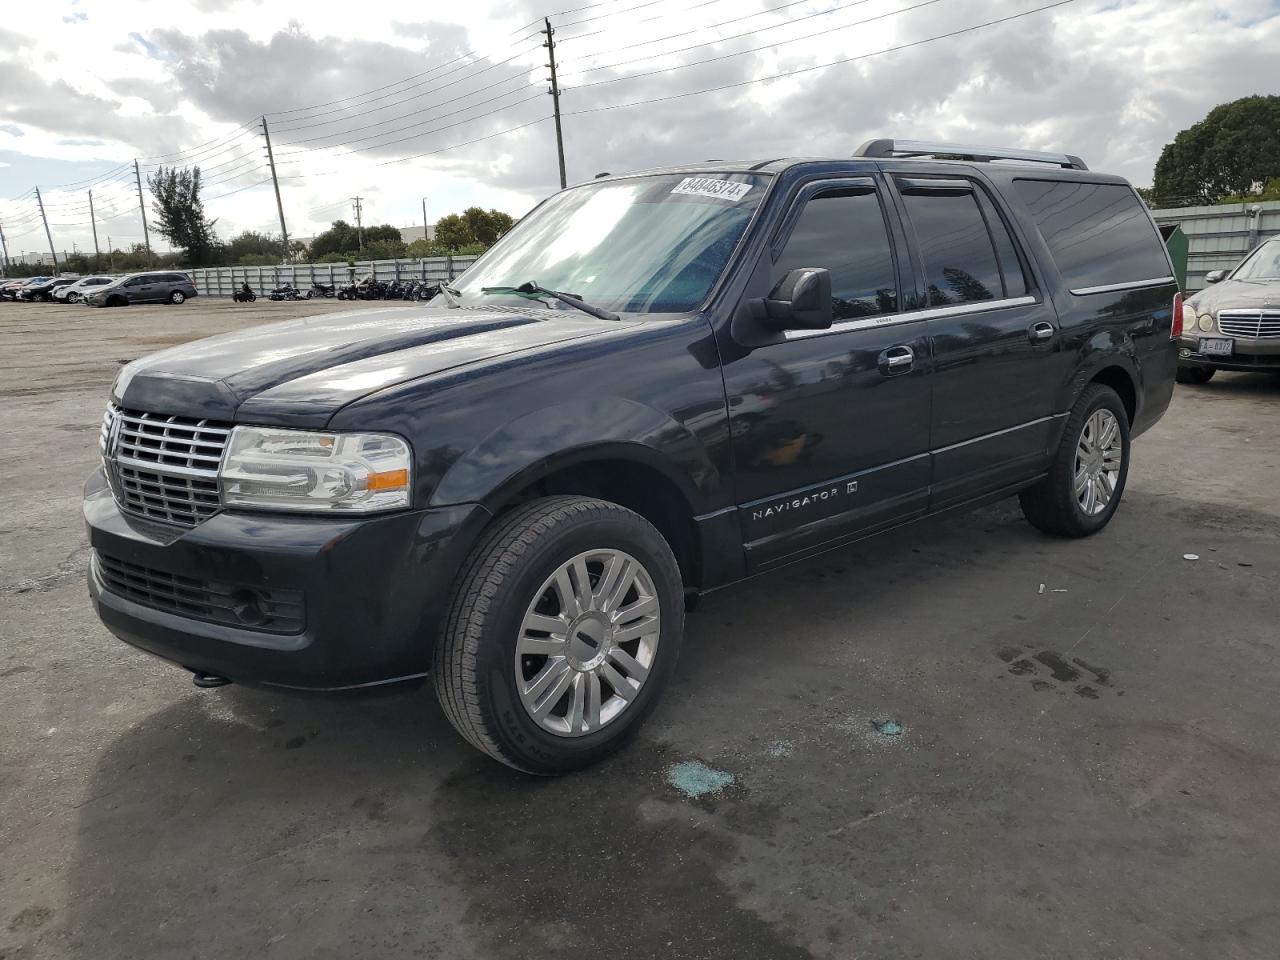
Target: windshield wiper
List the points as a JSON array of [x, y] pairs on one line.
[[450, 296], [534, 288]]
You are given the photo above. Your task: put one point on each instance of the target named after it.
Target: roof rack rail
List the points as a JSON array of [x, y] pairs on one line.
[[884, 149]]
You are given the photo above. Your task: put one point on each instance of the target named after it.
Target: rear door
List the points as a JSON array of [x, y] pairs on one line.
[[995, 338]]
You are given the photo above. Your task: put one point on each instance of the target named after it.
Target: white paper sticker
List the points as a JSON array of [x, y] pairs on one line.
[[707, 187]]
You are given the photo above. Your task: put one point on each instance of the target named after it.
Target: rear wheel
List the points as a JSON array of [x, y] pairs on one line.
[[1086, 479], [1194, 374], [177, 297], [564, 627]]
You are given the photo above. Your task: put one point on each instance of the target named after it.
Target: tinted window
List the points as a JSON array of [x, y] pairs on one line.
[[844, 232], [1098, 233], [960, 264], [1015, 280]]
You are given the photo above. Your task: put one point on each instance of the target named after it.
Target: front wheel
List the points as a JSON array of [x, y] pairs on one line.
[[1194, 374], [1086, 479], [564, 627]]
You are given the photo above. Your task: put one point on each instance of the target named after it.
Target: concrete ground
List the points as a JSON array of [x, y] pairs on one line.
[[1091, 770]]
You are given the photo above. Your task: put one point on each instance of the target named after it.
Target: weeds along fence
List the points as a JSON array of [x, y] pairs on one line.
[[224, 281]]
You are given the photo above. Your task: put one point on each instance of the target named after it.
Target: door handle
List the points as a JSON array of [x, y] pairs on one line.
[[1041, 331], [896, 360]]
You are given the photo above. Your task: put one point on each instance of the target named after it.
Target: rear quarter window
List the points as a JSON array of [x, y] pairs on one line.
[[1099, 234]]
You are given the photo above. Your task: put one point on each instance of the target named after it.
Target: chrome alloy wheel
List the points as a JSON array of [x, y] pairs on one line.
[[1099, 456], [587, 642]]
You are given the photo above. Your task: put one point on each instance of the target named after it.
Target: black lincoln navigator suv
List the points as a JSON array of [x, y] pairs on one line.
[[654, 386]]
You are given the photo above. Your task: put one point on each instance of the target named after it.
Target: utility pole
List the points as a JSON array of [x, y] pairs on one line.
[[146, 234], [47, 234], [284, 231], [359, 224], [111, 253], [425, 238], [97, 254], [555, 98], [4, 248]]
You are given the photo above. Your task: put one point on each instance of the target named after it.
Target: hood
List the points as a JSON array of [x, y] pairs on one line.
[[300, 372], [1238, 295]]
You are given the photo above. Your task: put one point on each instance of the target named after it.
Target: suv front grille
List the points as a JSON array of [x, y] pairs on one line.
[[272, 611], [1257, 324], [163, 467]]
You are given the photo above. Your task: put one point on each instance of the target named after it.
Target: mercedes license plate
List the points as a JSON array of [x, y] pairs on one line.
[[1215, 347]]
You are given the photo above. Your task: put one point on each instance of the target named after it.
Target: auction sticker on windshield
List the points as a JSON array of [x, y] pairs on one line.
[[707, 187]]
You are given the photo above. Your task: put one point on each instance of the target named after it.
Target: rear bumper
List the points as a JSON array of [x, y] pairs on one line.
[[1248, 356], [373, 591]]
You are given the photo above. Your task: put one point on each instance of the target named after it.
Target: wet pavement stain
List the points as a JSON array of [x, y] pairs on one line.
[[1062, 671], [644, 881]]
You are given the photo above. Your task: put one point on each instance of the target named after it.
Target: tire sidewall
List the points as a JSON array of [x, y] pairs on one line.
[[177, 297], [1104, 400], [495, 658]]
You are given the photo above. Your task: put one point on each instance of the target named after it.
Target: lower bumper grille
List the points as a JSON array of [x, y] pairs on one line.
[[251, 608]]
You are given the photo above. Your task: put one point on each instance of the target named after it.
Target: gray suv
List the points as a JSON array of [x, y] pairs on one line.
[[1234, 324], [144, 288]]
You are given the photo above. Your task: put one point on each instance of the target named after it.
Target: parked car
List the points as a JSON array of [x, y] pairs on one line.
[[13, 288], [1234, 324], [75, 292], [157, 287], [43, 292], [518, 490]]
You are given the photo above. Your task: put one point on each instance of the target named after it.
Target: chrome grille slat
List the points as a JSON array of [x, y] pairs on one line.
[[1255, 324], [164, 467]]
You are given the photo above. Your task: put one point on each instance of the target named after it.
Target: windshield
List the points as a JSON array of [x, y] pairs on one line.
[[643, 245], [1263, 265]]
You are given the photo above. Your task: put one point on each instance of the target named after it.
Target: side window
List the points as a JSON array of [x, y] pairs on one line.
[[135, 281], [960, 264], [1098, 233], [844, 231], [1015, 280]]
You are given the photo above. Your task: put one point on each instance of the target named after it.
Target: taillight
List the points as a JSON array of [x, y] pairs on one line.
[[1176, 330]]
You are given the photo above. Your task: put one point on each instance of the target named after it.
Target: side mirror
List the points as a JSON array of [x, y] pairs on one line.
[[800, 301], [1214, 276]]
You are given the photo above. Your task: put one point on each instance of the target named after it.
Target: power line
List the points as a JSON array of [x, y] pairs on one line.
[[743, 53], [823, 66]]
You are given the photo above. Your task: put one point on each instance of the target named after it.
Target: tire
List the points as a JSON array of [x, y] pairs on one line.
[[177, 297], [1053, 505], [513, 570], [73, 298], [1194, 374]]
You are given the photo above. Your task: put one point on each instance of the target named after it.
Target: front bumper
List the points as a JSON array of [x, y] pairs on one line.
[[1248, 355], [373, 590]]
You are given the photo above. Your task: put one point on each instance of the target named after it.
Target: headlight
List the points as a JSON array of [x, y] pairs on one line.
[[1206, 323], [298, 470], [1188, 318]]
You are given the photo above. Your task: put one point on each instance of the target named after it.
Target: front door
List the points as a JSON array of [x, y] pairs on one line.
[[997, 350], [830, 428]]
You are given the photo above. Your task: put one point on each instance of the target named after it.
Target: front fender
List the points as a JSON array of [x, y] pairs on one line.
[[540, 442]]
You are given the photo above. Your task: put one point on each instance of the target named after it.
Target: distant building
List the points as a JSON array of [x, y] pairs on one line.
[[410, 234]]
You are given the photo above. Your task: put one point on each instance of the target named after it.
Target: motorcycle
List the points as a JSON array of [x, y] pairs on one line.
[[288, 292], [244, 295], [322, 289]]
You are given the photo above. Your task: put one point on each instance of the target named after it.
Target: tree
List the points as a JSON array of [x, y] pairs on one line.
[[251, 248], [180, 213], [1233, 151], [384, 248], [340, 238], [473, 226]]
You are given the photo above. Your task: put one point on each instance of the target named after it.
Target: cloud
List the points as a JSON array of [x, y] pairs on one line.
[[11, 128], [76, 17]]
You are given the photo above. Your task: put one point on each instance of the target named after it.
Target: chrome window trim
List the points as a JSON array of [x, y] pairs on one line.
[[911, 316], [1127, 285]]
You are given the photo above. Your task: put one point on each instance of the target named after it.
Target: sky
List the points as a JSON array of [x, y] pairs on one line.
[[404, 99]]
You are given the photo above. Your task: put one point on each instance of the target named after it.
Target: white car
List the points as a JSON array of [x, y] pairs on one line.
[[75, 292]]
